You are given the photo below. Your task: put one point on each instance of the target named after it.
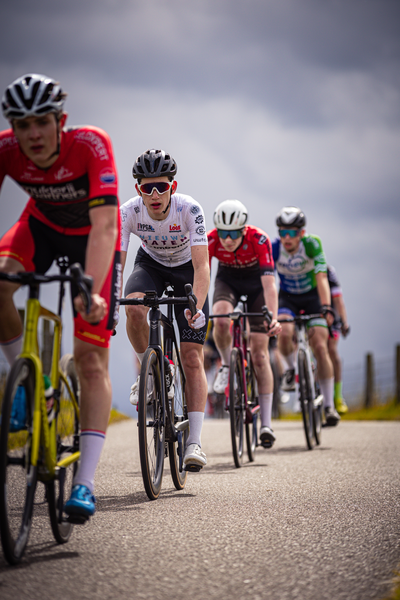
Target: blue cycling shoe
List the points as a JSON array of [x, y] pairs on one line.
[[81, 504], [18, 411]]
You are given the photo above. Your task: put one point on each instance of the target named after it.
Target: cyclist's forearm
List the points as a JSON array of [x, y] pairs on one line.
[[201, 284], [100, 251], [324, 291], [270, 294]]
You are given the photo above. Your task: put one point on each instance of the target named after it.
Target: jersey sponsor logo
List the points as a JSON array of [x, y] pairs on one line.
[[194, 209], [107, 176], [144, 227], [7, 142], [202, 240], [136, 209], [78, 189], [63, 173], [96, 202], [199, 220], [95, 141], [175, 227], [200, 230], [262, 240], [294, 264]]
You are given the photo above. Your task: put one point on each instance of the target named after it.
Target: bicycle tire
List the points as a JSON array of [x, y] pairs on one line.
[[307, 405], [317, 417], [251, 425], [18, 477], [67, 432], [176, 450], [236, 407], [151, 425]]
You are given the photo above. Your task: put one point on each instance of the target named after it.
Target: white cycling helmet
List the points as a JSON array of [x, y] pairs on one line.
[[32, 95], [230, 215]]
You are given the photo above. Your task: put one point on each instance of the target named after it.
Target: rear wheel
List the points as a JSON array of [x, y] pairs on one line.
[[252, 412], [18, 477], [179, 414], [236, 406], [307, 404], [67, 436], [151, 425]]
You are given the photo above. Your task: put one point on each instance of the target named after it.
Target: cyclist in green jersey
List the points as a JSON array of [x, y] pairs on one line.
[[300, 263]]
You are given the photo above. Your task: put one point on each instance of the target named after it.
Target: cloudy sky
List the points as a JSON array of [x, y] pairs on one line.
[[272, 102]]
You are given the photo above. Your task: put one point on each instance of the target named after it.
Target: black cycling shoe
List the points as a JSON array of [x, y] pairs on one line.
[[332, 417], [267, 437]]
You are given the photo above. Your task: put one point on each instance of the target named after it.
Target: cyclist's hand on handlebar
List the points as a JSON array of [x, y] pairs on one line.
[[345, 329], [197, 321], [274, 328], [328, 314], [97, 311]]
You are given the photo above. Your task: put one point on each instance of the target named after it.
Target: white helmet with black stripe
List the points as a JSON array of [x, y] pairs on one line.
[[230, 215], [32, 95]]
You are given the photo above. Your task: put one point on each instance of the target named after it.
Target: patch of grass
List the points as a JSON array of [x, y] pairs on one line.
[[395, 592], [384, 412], [117, 416]]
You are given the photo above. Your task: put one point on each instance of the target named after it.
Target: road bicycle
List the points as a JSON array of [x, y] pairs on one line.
[[42, 451], [310, 399], [163, 424], [242, 397]]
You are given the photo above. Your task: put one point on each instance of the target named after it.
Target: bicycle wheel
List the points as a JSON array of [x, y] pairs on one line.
[[179, 414], [67, 443], [307, 405], [251, 424], [317, 415], [151, 425], [236, 406], [18, 477]]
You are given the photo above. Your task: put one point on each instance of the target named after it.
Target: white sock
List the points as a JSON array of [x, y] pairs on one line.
[[140, 356], [91, 445], [225, 355], [265, 402], [196, 419], [327, 389], [290, 360], [12, 349]]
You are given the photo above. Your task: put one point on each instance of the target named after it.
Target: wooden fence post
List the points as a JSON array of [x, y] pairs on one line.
[[398, 374], [369, 382]]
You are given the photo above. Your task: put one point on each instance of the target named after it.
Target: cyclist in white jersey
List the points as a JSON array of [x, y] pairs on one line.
[[300, 263], [174, 249]]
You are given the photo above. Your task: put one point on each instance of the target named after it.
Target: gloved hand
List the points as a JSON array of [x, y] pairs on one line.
[[197, 321]]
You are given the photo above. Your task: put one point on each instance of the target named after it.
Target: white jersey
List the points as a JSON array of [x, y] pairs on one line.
[[168, 241]]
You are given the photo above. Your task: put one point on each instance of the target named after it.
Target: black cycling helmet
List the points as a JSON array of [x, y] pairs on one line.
[[291, 216], [32, 95], [154, 163]]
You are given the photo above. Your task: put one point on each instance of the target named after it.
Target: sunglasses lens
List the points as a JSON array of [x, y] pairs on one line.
[[290, 232], [233, 234], [160, 186]]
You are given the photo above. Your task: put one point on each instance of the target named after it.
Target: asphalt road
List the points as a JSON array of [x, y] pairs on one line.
[[294, 524]]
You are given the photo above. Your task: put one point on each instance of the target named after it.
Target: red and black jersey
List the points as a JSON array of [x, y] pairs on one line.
[[254, 253], [83, 177]]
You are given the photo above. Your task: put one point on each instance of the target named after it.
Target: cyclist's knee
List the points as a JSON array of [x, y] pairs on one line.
[[136, 315], [192, 357], [91, 364]]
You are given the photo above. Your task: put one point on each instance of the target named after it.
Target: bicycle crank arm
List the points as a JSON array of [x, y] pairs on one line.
[[318, 401], [182, 425]]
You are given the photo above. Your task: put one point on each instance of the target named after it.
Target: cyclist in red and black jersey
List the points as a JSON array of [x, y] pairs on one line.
[[72, 211], [246, 267]]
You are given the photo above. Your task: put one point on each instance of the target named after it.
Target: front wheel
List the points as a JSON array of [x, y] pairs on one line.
[[67, 430], [18, 477], [307, 404], [252, 409], [179, 415], [236, 406], [151, 424]]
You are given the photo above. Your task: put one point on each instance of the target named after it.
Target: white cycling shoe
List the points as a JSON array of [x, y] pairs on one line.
[[221, 380], [134, 395], [194, 456]]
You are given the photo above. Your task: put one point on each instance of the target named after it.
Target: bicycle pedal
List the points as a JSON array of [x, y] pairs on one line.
[[77, 519], [192, 468], [267, 444]]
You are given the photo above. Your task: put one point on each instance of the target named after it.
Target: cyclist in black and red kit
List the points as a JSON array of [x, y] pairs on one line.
[[72, 211], [245, 266]]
